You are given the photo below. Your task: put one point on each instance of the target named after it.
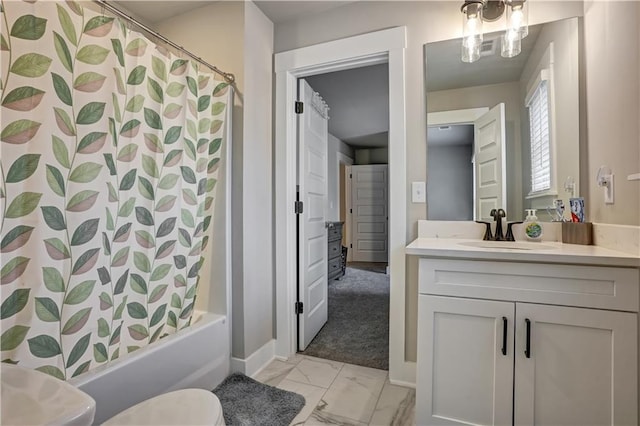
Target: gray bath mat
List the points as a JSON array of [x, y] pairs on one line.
[[246, 402]]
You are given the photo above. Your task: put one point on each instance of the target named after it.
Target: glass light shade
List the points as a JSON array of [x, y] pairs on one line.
[[511, 44], [471, 31], [518, 17], [471, 52]]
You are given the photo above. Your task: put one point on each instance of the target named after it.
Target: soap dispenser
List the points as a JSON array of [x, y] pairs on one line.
[[532, 228]]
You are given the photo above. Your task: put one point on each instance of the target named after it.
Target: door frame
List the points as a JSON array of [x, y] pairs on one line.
[[385, 46], [348, 162], [454, 117]]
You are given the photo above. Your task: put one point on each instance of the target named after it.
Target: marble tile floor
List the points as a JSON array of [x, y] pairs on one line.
[[341, 394]]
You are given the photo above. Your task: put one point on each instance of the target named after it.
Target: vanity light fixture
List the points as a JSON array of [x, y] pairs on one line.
[[474, 12]]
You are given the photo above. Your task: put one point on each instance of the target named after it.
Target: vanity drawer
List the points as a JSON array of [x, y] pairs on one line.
[[334, 249], [335, 268], [570, 285], [334, 232]]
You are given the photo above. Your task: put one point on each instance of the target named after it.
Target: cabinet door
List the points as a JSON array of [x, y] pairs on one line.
[[581, 368], [463, 377]]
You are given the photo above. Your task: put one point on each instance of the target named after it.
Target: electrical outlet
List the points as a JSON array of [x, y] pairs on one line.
[[608, 190], [418, 192]]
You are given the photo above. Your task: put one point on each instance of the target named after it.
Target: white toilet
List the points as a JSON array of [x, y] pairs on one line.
[[30, 397], [182, 407]]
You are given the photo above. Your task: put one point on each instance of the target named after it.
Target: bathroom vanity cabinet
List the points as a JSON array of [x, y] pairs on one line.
[[507, 342]]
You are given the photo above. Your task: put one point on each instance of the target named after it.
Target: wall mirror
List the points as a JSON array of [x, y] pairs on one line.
[[487, 122]]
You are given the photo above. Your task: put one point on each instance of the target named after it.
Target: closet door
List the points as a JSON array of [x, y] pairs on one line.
[[465, 361], [580, 367], [370, 218]]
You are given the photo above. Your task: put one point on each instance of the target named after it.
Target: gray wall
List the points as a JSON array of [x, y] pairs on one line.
[[366, 156], [450, 182], [237, 37], [566, 108], [489, 96], [426, 21], [257, 194], [613, 107]]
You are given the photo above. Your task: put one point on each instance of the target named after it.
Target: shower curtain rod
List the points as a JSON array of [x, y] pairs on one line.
[[228, 77]]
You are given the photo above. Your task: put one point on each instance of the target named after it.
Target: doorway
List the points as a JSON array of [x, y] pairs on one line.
[[489, 156], [369, 213], [368, 49], [355, 130], [450, 177]]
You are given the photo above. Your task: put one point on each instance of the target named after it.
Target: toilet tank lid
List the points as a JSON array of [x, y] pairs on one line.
[[32, 397], [181, 407]]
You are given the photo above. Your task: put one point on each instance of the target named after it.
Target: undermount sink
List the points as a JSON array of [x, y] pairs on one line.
[[508, 245]]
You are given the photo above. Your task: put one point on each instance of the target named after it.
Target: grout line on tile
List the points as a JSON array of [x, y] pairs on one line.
[[334, 379], [378, 400]]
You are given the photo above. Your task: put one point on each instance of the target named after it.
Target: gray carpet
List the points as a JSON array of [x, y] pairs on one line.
[[380, 267], [246, 402], [357, 331]]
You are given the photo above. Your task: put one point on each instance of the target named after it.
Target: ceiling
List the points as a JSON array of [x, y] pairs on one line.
[[282, 11], [445, 70], [359, 104], [154, 11], [455, 135]]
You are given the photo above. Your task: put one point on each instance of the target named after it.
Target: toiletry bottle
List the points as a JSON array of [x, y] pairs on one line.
[[532, 228]]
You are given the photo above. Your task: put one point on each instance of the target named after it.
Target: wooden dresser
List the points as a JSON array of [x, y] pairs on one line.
[[335, 262]]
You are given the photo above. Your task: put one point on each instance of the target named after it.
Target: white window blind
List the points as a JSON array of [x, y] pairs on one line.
[[538, 106]]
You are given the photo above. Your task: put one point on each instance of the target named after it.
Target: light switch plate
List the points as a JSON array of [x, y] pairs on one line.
[[418, 192]]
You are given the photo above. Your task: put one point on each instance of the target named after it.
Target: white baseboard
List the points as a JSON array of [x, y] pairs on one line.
[[411, 385], [403, 374], [256, 361]]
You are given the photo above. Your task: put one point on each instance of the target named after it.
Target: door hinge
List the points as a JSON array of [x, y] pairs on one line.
[[351, 211], [350, 176], [299, 307], [298, 207], [299, 107], [350, 245]]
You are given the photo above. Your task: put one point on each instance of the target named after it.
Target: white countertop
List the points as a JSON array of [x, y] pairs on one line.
[[548, 252]]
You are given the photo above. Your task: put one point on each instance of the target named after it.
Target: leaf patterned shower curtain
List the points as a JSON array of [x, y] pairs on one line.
[[109, 154]]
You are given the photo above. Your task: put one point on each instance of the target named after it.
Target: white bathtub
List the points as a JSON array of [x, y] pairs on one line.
[[196, 357]]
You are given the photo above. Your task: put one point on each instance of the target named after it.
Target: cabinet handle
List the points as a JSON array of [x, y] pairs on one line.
[[504, 335], [527, 350]]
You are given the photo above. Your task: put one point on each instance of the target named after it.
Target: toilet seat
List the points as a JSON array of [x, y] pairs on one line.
[[182, 407]]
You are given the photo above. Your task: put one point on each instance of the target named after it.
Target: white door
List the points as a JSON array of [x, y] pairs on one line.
[[369, 206], [312, 235], [465, 361], [490, 162], [581, 368]]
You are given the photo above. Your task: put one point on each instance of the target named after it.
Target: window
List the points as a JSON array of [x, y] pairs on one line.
[[539, 134]]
